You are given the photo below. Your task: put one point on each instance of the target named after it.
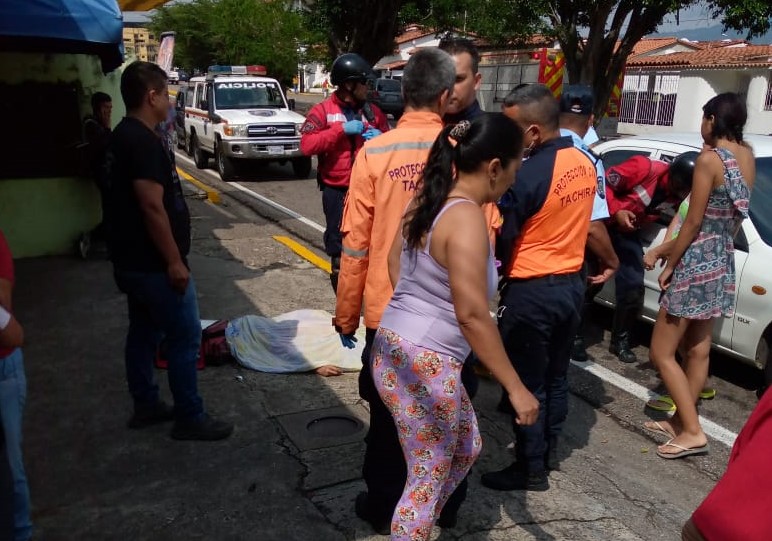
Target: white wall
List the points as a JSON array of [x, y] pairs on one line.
[[696, 87], [759, 120]]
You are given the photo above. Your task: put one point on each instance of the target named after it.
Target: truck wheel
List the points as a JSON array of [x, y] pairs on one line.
[[225, 165], [200, 157], [301, 167], [189, 144]]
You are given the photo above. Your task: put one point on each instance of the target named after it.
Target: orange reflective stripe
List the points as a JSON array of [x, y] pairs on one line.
[[383, 180]]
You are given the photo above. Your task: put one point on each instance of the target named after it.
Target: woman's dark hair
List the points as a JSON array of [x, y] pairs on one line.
[[729, 115], [489, 136]]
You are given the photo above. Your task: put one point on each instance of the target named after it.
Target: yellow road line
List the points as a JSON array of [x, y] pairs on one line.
[[305, 253], [211, 194]]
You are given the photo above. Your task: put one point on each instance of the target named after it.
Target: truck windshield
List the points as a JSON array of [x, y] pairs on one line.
[[761, 199], [247, 95]]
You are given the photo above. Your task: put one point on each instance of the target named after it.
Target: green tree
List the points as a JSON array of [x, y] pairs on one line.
[[365, 27], [234, 32], [596, 36]]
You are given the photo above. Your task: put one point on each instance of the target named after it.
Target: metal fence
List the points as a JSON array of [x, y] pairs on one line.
[[649, 98], [768, 99], [499, 79]]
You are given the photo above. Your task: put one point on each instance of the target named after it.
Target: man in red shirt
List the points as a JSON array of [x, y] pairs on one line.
[[335, 130], [13, 393], [637, 191]]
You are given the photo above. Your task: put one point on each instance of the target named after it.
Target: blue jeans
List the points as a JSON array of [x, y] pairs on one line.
[[156, 312], [13, 395]]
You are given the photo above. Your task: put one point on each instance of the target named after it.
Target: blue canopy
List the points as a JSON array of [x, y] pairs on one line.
[[64, 26]]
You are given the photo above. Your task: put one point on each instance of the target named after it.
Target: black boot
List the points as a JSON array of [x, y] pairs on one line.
[[381, 525], [621, 347], [579, 349], [626, 313]]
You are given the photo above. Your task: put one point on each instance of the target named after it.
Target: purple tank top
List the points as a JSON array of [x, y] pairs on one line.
[[421, 309]]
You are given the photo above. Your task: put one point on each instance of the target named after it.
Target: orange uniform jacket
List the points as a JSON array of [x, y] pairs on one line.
[[548, 212], [383, 180]]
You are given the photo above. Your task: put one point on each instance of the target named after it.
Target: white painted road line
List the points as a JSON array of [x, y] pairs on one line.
[[265, 200], [711, 429]]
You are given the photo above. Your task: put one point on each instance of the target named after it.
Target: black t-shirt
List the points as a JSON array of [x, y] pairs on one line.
[[135, 152]]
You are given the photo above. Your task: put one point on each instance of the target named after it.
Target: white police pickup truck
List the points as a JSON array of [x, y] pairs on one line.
[[235, 113]]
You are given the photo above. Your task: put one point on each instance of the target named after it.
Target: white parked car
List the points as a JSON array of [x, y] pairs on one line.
[[747, 336]]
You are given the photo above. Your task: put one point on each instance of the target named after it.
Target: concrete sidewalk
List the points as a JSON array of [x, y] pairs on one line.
[[91, 478]]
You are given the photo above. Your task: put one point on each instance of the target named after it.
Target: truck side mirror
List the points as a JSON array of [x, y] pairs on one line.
[[291, 103]]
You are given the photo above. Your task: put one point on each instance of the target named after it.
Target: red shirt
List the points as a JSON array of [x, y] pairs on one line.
[[322, 134], [738, 507], [6, 273], [631, 185]]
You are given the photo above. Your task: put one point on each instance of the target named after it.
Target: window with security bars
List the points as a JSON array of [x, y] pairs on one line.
[[649, 98], [768, 97]]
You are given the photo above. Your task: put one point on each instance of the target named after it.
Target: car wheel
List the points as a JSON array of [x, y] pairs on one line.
[[225, 165], [181, 143], [302, 167], [189, 144], [200, 157], [764, 357]]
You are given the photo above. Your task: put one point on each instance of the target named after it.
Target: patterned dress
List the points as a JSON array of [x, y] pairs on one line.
[[703, 283]]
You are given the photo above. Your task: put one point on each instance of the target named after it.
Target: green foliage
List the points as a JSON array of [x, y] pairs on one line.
[[366, 27], [497, 22], [751, 16], [234, 32]]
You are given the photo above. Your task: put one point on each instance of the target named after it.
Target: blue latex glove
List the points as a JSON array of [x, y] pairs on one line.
[[348, 340], [353, 127], [370, 133]]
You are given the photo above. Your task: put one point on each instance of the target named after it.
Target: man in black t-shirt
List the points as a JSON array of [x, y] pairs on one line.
[[149, 240]]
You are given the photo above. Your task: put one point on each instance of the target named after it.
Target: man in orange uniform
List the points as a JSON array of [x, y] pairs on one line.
[[546, 220], [383, 180]]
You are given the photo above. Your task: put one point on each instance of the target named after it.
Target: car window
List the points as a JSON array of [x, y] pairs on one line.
[[615, 157], [761, 199], [389, 85]]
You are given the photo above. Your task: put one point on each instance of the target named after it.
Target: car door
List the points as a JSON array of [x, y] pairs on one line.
[[194, 115], [206, 104]]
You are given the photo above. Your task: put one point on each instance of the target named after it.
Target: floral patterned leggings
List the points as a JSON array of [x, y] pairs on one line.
[[436, 424]]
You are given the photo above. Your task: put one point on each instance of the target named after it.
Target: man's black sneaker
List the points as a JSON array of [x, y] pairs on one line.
[[207, 429], [363, 511], [151, 414], [514, 477]]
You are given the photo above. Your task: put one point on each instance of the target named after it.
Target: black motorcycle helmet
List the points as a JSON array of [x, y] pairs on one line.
[[350, 67], [681, 173]]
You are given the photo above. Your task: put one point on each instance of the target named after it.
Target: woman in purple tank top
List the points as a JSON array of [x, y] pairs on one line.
[[442, 268]]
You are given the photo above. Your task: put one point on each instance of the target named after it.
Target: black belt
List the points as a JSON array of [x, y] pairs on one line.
[[548, 279]]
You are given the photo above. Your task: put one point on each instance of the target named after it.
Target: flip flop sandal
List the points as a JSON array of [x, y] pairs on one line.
[[684, 451], [658, 429], [662, 403], [708, 393]]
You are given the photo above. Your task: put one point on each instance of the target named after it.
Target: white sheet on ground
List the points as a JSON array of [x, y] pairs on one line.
[[297, 341]]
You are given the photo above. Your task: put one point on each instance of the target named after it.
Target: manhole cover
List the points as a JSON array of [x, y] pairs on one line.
[[328, 427], [334, 426]]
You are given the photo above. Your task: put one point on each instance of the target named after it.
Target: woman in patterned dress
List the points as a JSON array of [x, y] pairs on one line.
[[444, 272], [698, 281]]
